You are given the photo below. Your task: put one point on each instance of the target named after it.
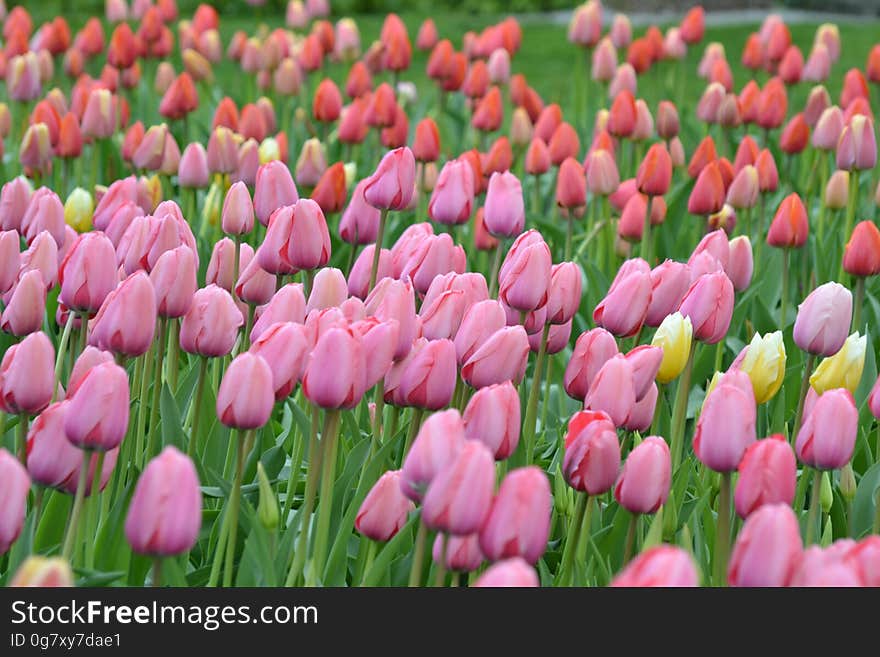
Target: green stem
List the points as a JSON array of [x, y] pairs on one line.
[[414, 424], [805, 387], [330, 444], [529, 426], [440, 577], [154, 427], [813, 513], [244, 441], [171, 367], [295, 468], [722, 534], [236, 257], [496, 265], [783, 300], [380, 236], [859, 302], [679, 410], [852, 203], [93, 511], [21, 438], [569, 231], [646, 235], [62, 349], [142, 409], [302, 543], [572, 539], [67, 548], [415, 572], [157, 572], [368, 562], [192, 448], [630, 538]]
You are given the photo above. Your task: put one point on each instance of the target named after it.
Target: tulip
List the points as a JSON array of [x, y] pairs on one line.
[[707, 196], [725, 429], [826, 567], [391, 185], [394, 299], [329, 289], [741, 263], [764, 362], [312, 163], [238, 211], [518, 523], [478, 323], [246, 393], [43, 572], [592, 453], [97, 418], [425, 378], [857, 147], [643, 484], [99, 120], [164, 517], [823, 320], [659, 566], [843, 369], [767, 549], [592, 349], [613, 389], [585, 27], [861, 257], [384, 510], [525, 278], [655, 172], [458, 553], [436, 445], [836, 195], [789, 227], [211, 325], [88, 273], [125, 321], [14, 200], [492, 417], [709, 305], [41, 255], [625, 307], [501, 357], [15, 484], [453, 196], [601, 173], [509, 573], [504, 207], [274, 189], [434, 256], [827, 438], [78, 210], [335, 376], [27, 306], [284, 347], [571, 185], [360, 220], [459, 497], [767, 475], [44, 213]]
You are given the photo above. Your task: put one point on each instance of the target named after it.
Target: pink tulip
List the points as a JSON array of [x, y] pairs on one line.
[[625, 307], [864, 557], [563, 292], [670, 281], [518, 523], [767, 475], [192, 171], [97, 418], [14, 487], [453, 196], [165, 513], [479, 322], [741, 264], [767, 549], [425, 378], [384, 510], [273, 254], [238, 210], [826, 567], [174, 281], [436, 255], [592, 453], [44, 212], [89, 358], [15, 197], [41, 255], [360, 220], [643, 485], [492, 417], [645, 361], [592, 349], [26, 308], [391, 185], [88, 272], [857, 148], [472, 284], [407, 244], [823, 320], [274, 189], [10, 259], [509, 573], [641, 415], [211, 325], [125, 323], [221, 264], [501, 357], [284, 348], [309, 240], [255, 285], [246, 393], [726, 427], [659, 566], [613, 389], [709, 305], [459, 496], [27, 375], [359, 277], [436, 445], [379, 341], [462, 553], [504, 210], [395, 300], [827, 437], [442, 316], [524, 283], [336, 373]]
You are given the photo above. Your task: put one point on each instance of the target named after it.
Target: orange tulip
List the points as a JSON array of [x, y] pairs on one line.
[[862, 254], [749, 98], [489, 112], [537, 158], [872, 68], [180, 99], [564, 143], [795, 135], [789, 227], [655, 172], [705, 153], [123, 48], [70, 140], [623, 114], [753, 53], [359, 81], [426, 145], [327, 103], [382, 110], [329, 193], [693, 25], [854, 86], [707, 196]]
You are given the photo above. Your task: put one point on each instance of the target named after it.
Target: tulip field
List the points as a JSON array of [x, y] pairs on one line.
[[295, 298]]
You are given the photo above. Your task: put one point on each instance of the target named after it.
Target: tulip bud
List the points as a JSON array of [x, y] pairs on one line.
[[827, 437], [436, 445], [43, 572], [391, 185], [767, 475], [844, 368], [518, 523], [384, 510], [764, 361], [726, 427], [252, 410], [26, 308], [823, 319], [165, 514], [771, 529], [625, 307], [492, 417], [88, 273], [789, 227], [857, 148], [709, 305], [504, 208], [459, 497], [643, 484], [661, 565], [847, 483], [14, 485], [501, 357], [211, 325], [592, 453], [336, 373], [97, 418], [27, 375], [861, 257]]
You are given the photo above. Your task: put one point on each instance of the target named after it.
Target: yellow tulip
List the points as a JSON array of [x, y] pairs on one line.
[[674, 336], [43, 571], [269, 150], [764, 362], [350, 169], [78, 210], [843, 369]]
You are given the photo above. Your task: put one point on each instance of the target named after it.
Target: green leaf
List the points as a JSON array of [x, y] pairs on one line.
[[172, 426], [864, 504], [390, 550]]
